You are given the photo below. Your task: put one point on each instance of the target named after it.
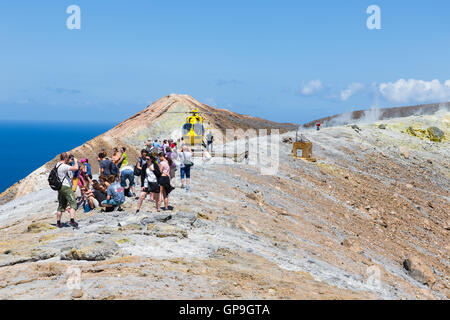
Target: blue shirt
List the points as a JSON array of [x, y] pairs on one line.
[[106, 166], [115, 191], [75, 173], [89, 170]]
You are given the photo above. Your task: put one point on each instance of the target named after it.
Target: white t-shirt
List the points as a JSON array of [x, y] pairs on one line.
[[127, 168], [64, 174], [184, 156], [150, 176]]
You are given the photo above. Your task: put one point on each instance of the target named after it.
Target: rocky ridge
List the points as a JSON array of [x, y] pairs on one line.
[[368, 220]]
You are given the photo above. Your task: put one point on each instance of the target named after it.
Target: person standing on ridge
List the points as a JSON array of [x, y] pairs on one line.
[[172, 155], [105, 165], [209, 142], [87, 168], [76, 173], [141, 162], [164, 145], [123, 161], [156, 144], [66, 195], [116, 157], [164, 180], [182, 143], [151, 185], [318, 126], [115, 162], [186, 163]]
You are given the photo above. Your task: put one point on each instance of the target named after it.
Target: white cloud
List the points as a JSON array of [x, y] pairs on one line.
[[351, 90], [403, 91], [312, 87]]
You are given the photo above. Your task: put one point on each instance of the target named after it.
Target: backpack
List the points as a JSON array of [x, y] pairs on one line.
[[89, 169], [137, 172], [186, 162], [53, 179], [113, 168], [157, 172]]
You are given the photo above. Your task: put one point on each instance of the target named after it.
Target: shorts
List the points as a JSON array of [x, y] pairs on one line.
[[185, 170], [66, 197], [112, 202], [127, 175], [152, 187], [165, 183]]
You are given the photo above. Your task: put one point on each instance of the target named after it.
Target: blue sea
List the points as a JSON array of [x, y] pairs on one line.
[[26, 146]]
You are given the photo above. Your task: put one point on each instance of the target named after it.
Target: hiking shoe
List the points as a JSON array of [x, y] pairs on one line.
[[59, 224], [137, 211], [187, 189], [74, 224], [120, 209]]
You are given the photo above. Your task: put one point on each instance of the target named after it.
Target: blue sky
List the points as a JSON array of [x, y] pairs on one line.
[[289, 61]]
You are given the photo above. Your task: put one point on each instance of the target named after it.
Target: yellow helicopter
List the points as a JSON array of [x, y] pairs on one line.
[[193, 130]]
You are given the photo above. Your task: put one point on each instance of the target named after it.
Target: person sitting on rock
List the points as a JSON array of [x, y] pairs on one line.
[[115, 194], [98, 193]]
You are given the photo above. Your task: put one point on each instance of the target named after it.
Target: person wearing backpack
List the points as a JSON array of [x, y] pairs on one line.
[[139, 167], [164, 179], [185, 166], [60, 180], [151, 184], [105, 164]]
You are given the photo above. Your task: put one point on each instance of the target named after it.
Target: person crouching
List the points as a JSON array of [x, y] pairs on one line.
[[115, 194]]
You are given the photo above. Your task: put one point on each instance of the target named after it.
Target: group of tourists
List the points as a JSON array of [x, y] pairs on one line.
[[156, 167]]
